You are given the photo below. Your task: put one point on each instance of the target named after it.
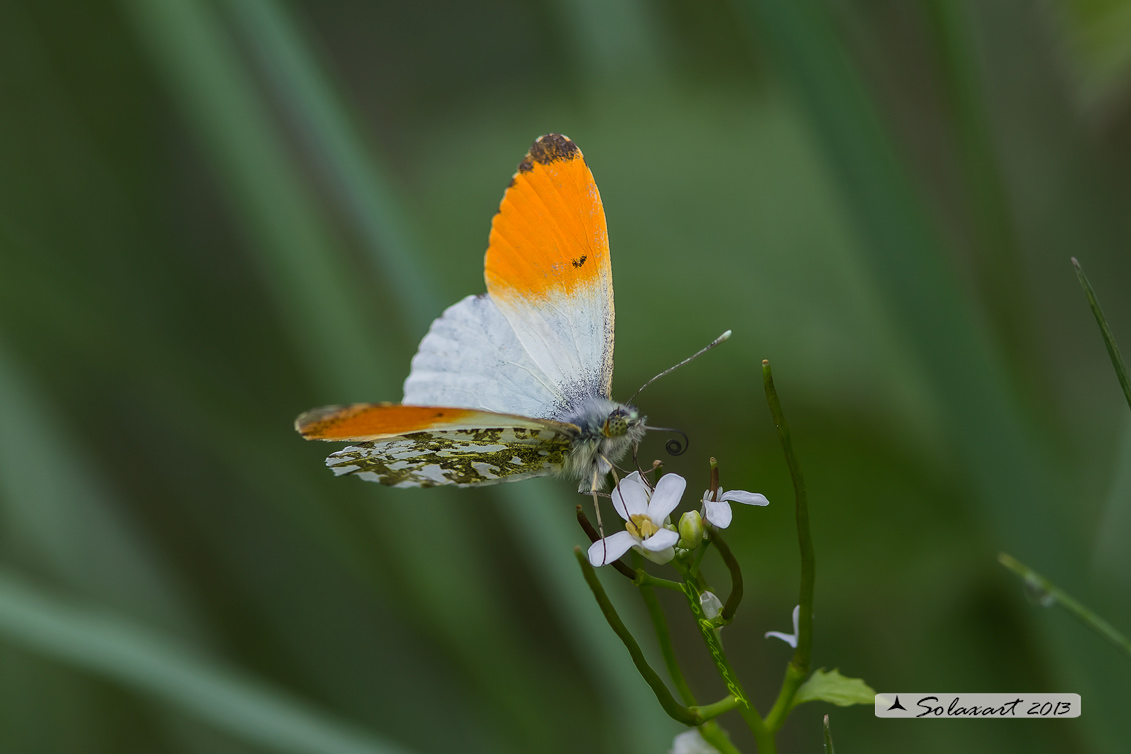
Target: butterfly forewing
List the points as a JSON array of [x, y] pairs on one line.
[[548, 270]]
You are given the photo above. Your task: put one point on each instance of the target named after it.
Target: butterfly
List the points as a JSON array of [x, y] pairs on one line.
[[516, 382]]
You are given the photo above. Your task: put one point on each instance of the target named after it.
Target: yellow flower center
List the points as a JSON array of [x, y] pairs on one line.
[[641, 526]]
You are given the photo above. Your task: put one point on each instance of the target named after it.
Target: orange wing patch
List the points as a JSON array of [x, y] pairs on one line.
[[363, 422], [549, 236], [368, 421]]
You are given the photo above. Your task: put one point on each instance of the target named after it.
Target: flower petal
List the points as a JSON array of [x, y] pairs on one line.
[[661, 557], [662, 539], [630, 498], [790, 639], [666, 497], [746, 498], [717, 513], [605, 551], [691, 742]]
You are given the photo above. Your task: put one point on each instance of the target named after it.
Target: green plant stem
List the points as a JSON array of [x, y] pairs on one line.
[[763, 736], [1105, 331], [828, 737], [794, 677], [1078, 611], [664, 639], [798, 667], [674, 709], [731, 606], [713, 710], [643, 578], [699, 553], [714, 734]]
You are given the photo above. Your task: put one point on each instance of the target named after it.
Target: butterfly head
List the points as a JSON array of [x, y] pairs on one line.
[[607, 430], [620, 421]]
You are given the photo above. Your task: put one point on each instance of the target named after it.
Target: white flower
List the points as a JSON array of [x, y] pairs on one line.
[[691, 742], [790, 639], [644, 512], [717, 509]]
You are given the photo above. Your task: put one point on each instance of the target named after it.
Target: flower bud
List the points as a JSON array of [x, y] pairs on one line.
[[711, 605], [690, 530]]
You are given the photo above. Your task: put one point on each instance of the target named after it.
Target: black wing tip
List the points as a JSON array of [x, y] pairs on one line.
[[547, 149]]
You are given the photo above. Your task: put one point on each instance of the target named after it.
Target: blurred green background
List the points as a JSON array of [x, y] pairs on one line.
[[215, 215]]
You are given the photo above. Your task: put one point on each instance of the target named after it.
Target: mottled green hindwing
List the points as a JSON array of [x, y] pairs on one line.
[[461, 457]]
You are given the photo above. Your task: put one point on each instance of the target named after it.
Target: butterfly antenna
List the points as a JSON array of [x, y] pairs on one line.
[[669, 370], [673, 445]]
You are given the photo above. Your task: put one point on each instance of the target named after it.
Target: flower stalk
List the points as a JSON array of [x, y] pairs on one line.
[[717, 737], [798, 668], [731, 606], [664, 639], [674, 709]]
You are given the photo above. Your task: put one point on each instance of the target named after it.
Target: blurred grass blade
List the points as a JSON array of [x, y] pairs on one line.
[[959, 363], [315, 294], [998, 445], [997, 254], [59, 516], [1048, 594], [150, 665], [356, 173], [1105, 331]]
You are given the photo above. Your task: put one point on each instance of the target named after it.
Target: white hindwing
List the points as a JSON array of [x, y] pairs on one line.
[[461, 457]]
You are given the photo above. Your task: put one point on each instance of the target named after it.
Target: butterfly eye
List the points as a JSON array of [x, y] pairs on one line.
[[616, 425]]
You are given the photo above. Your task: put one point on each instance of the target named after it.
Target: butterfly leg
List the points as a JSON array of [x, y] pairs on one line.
[[613, 471], [596, 506], [594, 485]]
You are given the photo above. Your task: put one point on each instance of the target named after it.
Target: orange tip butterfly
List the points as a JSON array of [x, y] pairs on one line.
[[514, 383]]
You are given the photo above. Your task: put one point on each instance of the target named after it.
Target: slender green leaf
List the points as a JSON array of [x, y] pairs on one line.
[[356, 172], [1046, 594], [1105, 331], [316, 296]]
